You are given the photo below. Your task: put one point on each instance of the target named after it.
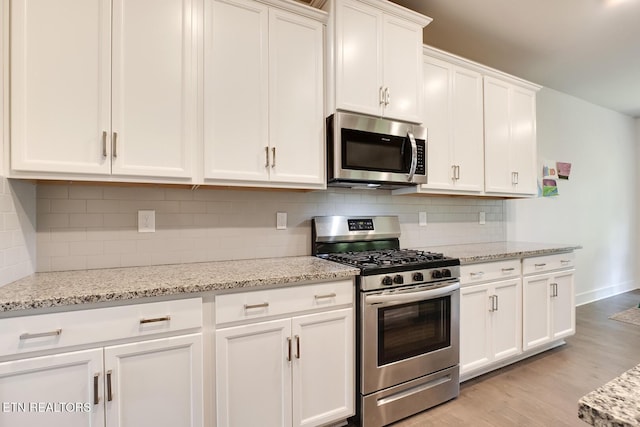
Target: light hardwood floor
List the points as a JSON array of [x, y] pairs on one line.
[[544, 389]]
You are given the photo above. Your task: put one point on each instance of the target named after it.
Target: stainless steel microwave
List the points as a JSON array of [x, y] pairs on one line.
[[371, 152]]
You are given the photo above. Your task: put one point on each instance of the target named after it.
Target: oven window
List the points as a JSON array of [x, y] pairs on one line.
[[413, 329]]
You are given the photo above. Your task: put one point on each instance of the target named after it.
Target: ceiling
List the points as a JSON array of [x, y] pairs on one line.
[[586, 48]]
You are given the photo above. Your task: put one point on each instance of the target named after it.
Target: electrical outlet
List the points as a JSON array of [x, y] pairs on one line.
[[482, 218], [281, 220], [422, 219], [146, 221]]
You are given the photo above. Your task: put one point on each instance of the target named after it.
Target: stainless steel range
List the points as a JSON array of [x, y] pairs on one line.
[[407, 321]]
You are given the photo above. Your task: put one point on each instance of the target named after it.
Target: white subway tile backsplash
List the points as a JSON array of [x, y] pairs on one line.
[[217, 224]]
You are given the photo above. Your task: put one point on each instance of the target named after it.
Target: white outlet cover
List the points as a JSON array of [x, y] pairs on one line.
[[146, 221], [281, 220], [482, 218], [422, 219]]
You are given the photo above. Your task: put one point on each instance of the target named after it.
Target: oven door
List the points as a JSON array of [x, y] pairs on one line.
[[408, 333]]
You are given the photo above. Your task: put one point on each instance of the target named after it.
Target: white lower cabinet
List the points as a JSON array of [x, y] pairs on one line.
[[295, 371], [549, 308], [152, 383], [120, 379], [490, 319], [56, 379]]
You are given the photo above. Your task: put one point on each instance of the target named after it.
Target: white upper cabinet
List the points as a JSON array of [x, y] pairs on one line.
[[95, 95], [264, 104], [453, 115], [510, 138], [60, 85], [378, 58]]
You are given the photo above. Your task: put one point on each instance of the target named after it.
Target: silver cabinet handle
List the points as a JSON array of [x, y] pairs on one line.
[[491, 309], [273, 157], [477, 274], [266, 157], [96, 397], [289, 349], [554, 289], [114, 145], [456, 172], [250, 306], [155, 319], [565, 261], [507, 270], [53, 333], [381, 95], [104, 144], [514, 177], [109, 391], [414, 156], [496, 300], [387, 96], [297, 337], [539, 265], [331, 295]]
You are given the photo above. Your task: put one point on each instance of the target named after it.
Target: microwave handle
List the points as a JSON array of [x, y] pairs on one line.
[[414, 156]]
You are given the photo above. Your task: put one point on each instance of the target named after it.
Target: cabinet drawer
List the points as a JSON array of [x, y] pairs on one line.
[[490, 271], [57, 330], [273, 302], [545, 263]]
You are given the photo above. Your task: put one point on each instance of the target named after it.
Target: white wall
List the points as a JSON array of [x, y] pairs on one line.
[[598, 206]]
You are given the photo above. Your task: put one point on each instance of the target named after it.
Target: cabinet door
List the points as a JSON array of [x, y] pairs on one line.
[[497, 134], [253, 374], [475, 327], [53, 380], [296, 100], [522, 147], [60, 85], [436, 118], [507, 319], [467, 129], [402, 69], [154, 87], [564, 307], [155, 383], [236, 104], [323, 367], [358, 57], [536, 309]]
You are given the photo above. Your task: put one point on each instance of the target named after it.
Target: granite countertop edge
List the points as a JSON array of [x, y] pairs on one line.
[[616, 403], [70, 288]]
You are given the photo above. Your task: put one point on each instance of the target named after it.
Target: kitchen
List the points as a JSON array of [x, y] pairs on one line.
[[61, 227]]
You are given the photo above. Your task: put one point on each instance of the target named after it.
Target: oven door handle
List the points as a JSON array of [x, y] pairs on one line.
[[410, 296]]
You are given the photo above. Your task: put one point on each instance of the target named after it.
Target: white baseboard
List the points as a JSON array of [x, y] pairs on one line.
[[608, 291]]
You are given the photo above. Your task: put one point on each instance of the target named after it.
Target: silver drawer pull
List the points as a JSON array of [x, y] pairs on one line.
[[564, 261], [250, 306], [539, 265], [506, 270], [331, 295], [55, 333], [478, 274], [155, 319]]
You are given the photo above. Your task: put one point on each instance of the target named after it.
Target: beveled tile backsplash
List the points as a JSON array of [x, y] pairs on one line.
[[93, 226]]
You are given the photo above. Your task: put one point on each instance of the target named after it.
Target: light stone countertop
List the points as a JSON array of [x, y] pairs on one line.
[[66, 288], [617, 403], [44, 290], [486, 252]]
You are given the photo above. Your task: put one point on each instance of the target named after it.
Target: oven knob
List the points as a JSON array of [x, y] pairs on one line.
[[436, 274], [398, 279], [386, 280], [418, 277], [446, 272]]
